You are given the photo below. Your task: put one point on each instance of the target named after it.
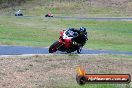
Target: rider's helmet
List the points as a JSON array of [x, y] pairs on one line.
[[82, 29]]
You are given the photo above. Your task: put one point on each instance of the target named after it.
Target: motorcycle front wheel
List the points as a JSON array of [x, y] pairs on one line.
[[53, 48]]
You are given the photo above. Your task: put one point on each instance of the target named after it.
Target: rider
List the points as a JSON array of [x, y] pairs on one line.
[[81, 37]]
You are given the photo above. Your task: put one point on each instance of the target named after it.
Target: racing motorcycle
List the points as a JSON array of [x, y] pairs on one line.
[[49, 15], [66, 43]]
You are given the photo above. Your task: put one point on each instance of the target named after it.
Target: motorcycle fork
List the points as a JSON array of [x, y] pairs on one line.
[[59, 46]]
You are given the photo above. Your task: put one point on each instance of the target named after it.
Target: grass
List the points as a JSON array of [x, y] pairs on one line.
[[42, 32], [59, 71], [92, 86], [36, 30], [73, 8]]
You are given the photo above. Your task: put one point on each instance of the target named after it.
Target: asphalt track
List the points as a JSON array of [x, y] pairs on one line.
[[97, 18], [19, 50], [84, 18]]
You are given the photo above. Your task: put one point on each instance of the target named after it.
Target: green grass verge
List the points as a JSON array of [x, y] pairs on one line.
[[95, 86], [40, 31]]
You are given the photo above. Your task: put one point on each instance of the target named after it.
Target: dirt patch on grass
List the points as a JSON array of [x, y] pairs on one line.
[[52, 71]]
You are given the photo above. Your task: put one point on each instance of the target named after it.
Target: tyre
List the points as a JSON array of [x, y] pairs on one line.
[[46, 15], [79, 49], [54, 46], [81, 80], [21, 14]]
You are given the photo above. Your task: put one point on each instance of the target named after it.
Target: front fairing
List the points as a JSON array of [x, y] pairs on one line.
[[66, 37]]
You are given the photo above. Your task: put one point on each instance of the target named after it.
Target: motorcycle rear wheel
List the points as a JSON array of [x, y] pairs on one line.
[[53, 47]]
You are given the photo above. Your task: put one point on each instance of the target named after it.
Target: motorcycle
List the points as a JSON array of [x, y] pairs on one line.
[[66, 43], [18, 13], [49, 15]]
